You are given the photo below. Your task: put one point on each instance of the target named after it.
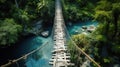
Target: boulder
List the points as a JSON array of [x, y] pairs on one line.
[[76, 31], [91, 28], [84, 27], [45, 33]]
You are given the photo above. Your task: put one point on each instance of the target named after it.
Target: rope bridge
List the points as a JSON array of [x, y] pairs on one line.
[[60, 55], [63, 52]]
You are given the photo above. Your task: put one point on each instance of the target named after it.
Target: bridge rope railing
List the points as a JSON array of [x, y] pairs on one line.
[[24, 56], [73, 47]]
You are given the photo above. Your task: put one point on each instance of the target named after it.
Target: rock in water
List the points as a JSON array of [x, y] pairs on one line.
[[91, 28], [45, 33], [84, 27]]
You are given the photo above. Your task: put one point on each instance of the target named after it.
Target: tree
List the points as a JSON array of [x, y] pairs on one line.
[[9, 32], [116, 15], [105, 18], [104, 5], [45, 8], [81, 40], [77, 10]]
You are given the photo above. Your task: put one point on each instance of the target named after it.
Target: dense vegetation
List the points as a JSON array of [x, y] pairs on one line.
[[104, 42], [108, 33], [18, 16], [77, 10]]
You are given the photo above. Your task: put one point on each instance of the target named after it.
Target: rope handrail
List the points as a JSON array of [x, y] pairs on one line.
[[78, 48], [24, 56]]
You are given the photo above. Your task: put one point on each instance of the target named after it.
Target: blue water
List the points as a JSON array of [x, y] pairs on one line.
[[76, 27], [30, 44], [46, 51], [41, 58]]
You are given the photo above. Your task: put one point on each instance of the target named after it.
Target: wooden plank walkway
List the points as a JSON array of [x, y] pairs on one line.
[[60, 56]]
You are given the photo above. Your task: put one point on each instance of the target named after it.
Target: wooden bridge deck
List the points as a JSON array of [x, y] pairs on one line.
[[60, 56]]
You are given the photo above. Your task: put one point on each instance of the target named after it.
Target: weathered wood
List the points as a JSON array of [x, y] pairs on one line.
[[60, 56]]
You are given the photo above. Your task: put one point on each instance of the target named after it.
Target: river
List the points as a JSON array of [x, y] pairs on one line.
[[41, 57]]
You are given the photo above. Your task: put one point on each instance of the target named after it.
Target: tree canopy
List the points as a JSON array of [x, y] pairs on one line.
[[9, 32], [16, 16]]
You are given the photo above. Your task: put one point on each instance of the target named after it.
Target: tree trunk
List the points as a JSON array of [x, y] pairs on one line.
[[116, 25], [107, 28], [16, 4]]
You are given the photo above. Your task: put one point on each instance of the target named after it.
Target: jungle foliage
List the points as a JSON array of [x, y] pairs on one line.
[[105, 40], [77, 10], [16, 16]]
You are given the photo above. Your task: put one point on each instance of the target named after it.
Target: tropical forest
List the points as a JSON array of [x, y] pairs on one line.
[[59, 33]]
